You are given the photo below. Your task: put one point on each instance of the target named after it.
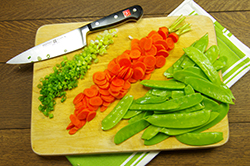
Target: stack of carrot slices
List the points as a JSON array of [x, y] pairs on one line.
[[132, 65]]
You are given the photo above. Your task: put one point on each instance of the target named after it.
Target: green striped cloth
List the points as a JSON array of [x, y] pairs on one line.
[[238, 65]]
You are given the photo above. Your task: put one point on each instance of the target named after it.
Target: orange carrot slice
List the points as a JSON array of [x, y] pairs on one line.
[[117, 82], [73, 130], [75, 120], [89, 92], [135, 54], [70, 126], [151, 33], [164, 53], [96, 101], [108, 98], [148, 44], [159, 47], [174, 37], [160, 61], [170, 43], [150, 61], [140, 64], [152, 51], [138, 73], [162, 42], [163, 31], [78, 98], [146, 76], [126, 85], [91, 116], [155, 37], [83, 114], [104, 92], [103, 108]]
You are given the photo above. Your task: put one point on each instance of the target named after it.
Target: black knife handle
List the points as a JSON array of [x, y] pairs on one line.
[[132, 13]]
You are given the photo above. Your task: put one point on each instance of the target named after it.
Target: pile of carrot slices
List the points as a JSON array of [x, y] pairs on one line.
[[132, 65]]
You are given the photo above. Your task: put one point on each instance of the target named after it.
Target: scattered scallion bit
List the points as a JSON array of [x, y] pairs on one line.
[[48, 56], [29, 57], [39, 58], [67, 73]]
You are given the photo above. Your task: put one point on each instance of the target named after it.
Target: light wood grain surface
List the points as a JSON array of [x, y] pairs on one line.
[[19, 22]]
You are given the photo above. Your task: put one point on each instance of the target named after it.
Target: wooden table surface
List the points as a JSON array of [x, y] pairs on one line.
[[19, 21]]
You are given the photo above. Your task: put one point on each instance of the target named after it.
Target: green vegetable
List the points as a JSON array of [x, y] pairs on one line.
[[131, 113], [156, 139], [180, 120], [199, 139], [130, 130], [66, 74], [150, 132], [117, 113], [212, 53], [151, 99], [162, 84]]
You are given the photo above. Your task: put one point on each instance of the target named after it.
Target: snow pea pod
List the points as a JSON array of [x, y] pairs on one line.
[[203, 62], [117, 113], [180, 131], [188, 90], [131, 113], [163, 84], [151, 99], [180, 120], [156, 139], [212, 53], [194, 108], [201, 45], [199, 139], [137, 117], [177, 93], [150, 132], [209, 89], [182, 74], [209, 104], [220, 63], [222, 109], [170, 105], [197, 71], [161, 92], [130, 130]]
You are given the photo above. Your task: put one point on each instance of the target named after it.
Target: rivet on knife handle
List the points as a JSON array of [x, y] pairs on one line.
[[132, 13]]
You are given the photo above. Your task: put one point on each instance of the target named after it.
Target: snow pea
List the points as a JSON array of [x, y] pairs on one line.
[[180, 120], [209, 89], [182, 74], [170, 105], [117, 113], [222, 109], [209, 103], [137, 117], [197, 71], [203, 62], [151, 99], [161, 92], [180, 131], [131, 113], [177, 93], [194, 108], [156, 139], [163, 84], [220, 63], [188, 90], [199, 139], [212, 53], [150, 132], [201, 45], [130, 130]]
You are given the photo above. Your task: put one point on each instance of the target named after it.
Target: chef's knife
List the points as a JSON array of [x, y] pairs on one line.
[[75, 39]]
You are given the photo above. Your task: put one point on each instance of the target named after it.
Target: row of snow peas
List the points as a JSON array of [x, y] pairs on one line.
[[191, 100]]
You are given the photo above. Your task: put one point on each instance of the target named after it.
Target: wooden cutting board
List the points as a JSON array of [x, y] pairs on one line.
[[50, 137]]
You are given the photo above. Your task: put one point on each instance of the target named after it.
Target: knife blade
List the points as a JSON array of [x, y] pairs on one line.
[[77, 38]]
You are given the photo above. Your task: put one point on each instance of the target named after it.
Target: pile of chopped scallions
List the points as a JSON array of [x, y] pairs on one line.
[[66, 74]]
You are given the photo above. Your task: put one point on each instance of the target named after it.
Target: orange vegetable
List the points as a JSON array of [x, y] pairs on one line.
[[124, 62], [95, 101], [108, 98], [148, 44], [164, 53], [155, 37], [71, 125], [163, 43], [150, 61], [78, 98], [91, 116], [83, 114], [160, 61], [170, 43], [89, 92], [152, 51], [135, 54], [75, 120], [174, 37], [117, 82], [113, 67], [103, 108], [73, 130], [138, 73], [104, 92], [151, 33], [163, 31]]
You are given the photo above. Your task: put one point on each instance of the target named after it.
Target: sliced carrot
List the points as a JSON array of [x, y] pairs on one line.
[[132, 80], [150, 70], [138, 73], [124, 62], [126, 52], [123, 72], [114, 93], [126, 85], [160, 61], [108, 76], [106, 103], [113, 67], [91, 107], [96, 101], [75, 120], [108, 98], [91, 116], [140, 64], [141, 58], [78, 98], [163, 43], [170, 43], [129, 74], [117, 82], [114, 88], [73, 130], [105, 86], [150, 61], [135, 54], [164, 53], [70, 126], [101, 82], [100, 75], [122, 94], [146, 76], [103, 108], [83, 122], [135, 42], [104, 92], [136, 47], [155, 37], [151, 33], [95, 87], [89, 92], [159, 47], [83, 114], [163, 31], [174, 37], [148, 44], [152, 51], [142, 42]]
